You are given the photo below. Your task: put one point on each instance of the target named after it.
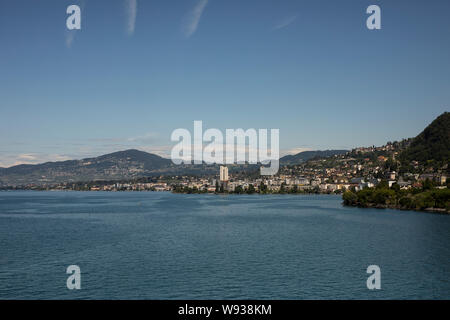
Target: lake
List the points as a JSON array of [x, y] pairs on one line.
[[159, 245]]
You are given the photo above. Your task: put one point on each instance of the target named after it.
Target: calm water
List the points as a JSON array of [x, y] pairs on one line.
[[172, 246]]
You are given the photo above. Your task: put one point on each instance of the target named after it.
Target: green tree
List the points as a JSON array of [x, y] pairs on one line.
[[427, 185], [350, 198], [239, 190], [395, 187], [262, 188], [382, 185]]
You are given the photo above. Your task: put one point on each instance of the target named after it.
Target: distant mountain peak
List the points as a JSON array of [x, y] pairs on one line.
[[124, 164], [131, 153]]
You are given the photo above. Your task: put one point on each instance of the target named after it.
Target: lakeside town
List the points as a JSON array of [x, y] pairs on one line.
[[410, 174], [356, 170]]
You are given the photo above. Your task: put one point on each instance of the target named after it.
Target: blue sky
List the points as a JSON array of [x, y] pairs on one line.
[[137, 70]]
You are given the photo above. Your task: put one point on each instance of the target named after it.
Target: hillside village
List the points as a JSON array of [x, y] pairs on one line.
[[358, 169], [402, 174]]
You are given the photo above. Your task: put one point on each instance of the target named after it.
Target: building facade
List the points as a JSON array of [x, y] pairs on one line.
[[223, 174]]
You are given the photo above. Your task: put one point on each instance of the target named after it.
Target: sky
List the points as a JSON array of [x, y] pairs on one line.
[[137, 70]]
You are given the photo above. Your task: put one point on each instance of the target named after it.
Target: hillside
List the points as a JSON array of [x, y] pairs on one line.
[[118, 165], [308, 155], [432, 144], [128, 164]]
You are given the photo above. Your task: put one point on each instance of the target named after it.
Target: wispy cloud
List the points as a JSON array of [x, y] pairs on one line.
[[285, 22], [70, 36], [192, 19], [9, 160], [293, 151], [27, 157], [149, 137], [131, 12], [162, 150]]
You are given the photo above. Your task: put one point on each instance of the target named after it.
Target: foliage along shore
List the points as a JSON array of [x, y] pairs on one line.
[[261, 189], [427, 198]]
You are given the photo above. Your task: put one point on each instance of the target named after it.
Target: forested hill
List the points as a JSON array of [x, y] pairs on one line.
[[308, 155], [432, 144]]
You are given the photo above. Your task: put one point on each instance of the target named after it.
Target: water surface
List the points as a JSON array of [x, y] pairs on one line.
[[157, 245]]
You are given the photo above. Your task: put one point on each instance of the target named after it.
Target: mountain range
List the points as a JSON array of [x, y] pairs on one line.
[[128, 164], [117, 165], [431, 146]]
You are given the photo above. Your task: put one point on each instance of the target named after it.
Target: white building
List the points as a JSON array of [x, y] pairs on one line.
[[302, 181], [363, 185], [391, 175], [223, 174]]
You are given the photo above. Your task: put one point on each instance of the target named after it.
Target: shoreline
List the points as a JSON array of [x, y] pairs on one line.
[[170, 191], [400, 208]]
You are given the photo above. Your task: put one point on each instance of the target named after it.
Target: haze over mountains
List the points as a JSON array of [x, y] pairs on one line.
[[126, 164], [431, 147]]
